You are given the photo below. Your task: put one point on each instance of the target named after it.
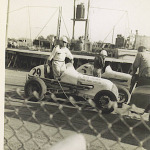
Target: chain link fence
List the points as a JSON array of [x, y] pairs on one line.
[[32, 125]]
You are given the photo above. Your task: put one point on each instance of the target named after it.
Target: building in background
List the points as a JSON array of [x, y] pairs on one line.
[[142, 40], [24, 43]]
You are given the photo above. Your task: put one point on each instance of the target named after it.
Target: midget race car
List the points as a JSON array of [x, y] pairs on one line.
[[101, 91], [122, 80]]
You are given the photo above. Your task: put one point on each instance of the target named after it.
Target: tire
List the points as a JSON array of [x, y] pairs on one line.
[[102, 99], [35, 85], [147, 110], [124, 95]]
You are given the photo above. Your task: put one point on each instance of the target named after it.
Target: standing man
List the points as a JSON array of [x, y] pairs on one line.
[[99, 63], [58, 55], [142, 65]]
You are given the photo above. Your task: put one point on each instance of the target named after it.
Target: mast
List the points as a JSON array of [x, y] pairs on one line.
[[74, 19], [29, 22], [87, 22], [113, 35], [59, 22]]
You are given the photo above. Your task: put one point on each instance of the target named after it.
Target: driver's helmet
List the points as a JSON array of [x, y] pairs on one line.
[[104, 53], [64, 39]]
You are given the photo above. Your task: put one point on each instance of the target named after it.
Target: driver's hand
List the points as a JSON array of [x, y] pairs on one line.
[[72, 61], [49, 62], [131, 73]]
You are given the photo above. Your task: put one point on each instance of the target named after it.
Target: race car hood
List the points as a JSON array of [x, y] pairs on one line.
[[74, 77], [118, 78], [109, 73]]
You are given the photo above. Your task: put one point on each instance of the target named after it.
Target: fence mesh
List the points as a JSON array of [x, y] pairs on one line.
[[33, 125]]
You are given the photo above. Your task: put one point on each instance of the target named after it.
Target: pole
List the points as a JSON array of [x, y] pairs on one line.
[[29, 22], [7, 21], [74, 19], [113, 35], [59, 22], [87, 21]]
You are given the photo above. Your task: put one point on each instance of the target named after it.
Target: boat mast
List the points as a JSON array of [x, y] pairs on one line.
[[113, 34], [59, 22], [74, 16], [87, 22]]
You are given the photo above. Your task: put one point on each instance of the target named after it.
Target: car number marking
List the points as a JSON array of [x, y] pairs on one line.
[[37, 72]]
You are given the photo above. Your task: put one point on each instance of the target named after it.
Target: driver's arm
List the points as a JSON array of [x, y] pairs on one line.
[[69, 55], [52, 54], [136, 63]]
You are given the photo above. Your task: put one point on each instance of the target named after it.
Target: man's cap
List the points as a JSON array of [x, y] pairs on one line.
[[103, 52], [64, 39]]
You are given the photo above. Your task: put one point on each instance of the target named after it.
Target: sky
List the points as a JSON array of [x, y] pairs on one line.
[[107, 18]]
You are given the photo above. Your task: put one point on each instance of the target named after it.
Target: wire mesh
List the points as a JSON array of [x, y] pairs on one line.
[[40, 124]]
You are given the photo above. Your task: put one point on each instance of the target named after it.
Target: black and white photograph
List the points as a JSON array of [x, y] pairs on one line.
[[76, 74]]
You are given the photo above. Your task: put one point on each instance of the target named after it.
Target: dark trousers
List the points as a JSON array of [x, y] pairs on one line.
[[134, 80], [139, 80]]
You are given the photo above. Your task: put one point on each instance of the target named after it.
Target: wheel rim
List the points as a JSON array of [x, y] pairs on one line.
[[122, 97], [104, 101], [34, 87]]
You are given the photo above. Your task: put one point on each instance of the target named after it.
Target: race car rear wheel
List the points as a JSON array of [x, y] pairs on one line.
[[102, 100], [124, 95], [35, 89]]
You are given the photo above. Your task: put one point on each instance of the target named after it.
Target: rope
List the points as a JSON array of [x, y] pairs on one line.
[[43, 6], [109, 9], [65, 26], [128, 22], [29, 22], [47, 23], [31, 7], [113, 27], [17, 9]]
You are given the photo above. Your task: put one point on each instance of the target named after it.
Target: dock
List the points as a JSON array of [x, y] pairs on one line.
[[14, 56]]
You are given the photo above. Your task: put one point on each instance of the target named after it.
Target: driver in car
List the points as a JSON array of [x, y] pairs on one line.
[[58, 56], [99, 63]]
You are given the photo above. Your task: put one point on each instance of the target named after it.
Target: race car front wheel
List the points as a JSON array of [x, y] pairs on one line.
[[124, 95], [102, 100], [35, 89]]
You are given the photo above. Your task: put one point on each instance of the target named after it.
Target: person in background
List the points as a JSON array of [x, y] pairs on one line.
[[58, 56], [141, 65], [99, 63]]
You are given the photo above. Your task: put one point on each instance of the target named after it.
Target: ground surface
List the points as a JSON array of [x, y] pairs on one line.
[[36, 125]]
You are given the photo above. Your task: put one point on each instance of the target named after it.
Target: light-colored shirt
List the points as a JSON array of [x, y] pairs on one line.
[[59, 54], [142, 61]]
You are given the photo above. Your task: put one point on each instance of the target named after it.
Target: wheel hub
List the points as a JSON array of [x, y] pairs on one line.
[[104, 101]]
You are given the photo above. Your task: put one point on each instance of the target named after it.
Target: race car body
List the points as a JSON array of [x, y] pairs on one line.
[[122, 80], [98, 84], [101, 91], [118, 78]]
